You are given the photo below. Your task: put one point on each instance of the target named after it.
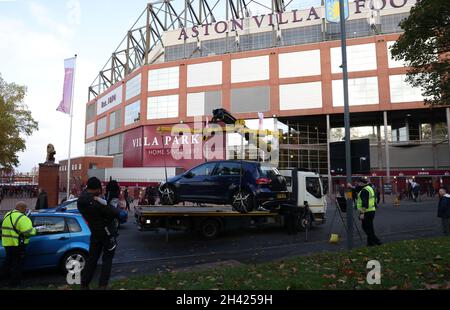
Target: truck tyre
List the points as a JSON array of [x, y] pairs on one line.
[[168, 195], [242, 201], [210, 229]]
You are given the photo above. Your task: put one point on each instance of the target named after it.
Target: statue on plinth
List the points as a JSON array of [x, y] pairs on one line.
[[50, 154]]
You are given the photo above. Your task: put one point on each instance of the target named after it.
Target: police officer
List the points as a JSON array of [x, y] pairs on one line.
[[366, 205], [100, 218], [16, 231]]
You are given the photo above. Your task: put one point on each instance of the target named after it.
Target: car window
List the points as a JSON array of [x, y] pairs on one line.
[[50, 225], [313, 187], [71, 206], [269, 172], [228, 169], [73, 225], [203, 170]]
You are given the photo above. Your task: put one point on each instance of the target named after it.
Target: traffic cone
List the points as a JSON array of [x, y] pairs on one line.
[[397, 202], [334, 238]]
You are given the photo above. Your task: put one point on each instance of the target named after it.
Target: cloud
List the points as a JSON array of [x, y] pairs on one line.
[[42, 16]]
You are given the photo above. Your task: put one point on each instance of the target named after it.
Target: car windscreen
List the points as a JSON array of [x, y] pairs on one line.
[[269, 172], [313, 187]]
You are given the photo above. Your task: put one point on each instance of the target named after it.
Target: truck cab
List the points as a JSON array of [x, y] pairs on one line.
[[307, 187]]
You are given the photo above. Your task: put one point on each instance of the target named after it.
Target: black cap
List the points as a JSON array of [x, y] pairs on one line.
[[94, 183], [362, 180]]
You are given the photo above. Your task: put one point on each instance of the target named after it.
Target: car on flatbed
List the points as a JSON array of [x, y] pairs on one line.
[[245, 185]]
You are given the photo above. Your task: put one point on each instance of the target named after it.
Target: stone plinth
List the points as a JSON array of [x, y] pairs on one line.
[[49, 182]]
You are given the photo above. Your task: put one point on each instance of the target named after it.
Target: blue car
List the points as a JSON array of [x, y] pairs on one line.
[[62, 238], [246, 185], [70, 206]]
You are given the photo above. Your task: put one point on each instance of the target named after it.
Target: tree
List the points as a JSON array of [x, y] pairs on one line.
[[425, 47], [15, 122]]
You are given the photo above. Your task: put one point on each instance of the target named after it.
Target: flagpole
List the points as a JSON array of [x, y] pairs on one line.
[[69, 166]]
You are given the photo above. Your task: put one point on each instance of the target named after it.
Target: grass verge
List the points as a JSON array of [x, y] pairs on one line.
[[413, 264]]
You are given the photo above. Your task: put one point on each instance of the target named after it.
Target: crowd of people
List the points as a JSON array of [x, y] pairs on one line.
[[18, 191]]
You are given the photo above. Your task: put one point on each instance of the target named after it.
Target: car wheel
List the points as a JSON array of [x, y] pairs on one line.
[[74, 261], [242, 201], [210, 229], [168, 195]]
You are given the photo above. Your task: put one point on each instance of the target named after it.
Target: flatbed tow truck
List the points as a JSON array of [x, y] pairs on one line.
[[211, 220], [305, 187]]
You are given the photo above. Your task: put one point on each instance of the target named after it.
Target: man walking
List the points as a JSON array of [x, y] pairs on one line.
[[100, 218], [366, 205], [444, 210], [16, 231], [42, 200], [127, 199]]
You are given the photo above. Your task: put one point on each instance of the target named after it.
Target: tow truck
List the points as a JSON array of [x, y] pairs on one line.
[[307, 205]]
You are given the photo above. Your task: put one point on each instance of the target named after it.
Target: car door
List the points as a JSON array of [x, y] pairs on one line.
[[196, 184], [44, 249], [225, 179]]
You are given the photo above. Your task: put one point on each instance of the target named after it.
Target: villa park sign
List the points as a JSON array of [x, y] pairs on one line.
[[273, 19]]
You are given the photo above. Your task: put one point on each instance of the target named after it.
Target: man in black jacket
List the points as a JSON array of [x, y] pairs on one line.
[[444, 210], [100, 218], [42, 200]]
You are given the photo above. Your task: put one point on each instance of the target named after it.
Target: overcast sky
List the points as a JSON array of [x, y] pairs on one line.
[[35, 38]]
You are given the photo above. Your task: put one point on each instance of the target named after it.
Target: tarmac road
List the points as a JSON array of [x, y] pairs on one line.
[[148, 252]]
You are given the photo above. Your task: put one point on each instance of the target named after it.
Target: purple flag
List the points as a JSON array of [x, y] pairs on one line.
[[69, 67]]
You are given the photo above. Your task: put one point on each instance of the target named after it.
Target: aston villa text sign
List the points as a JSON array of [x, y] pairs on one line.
[[295, 16]]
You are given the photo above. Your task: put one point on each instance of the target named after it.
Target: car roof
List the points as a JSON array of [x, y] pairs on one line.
[[233, 161], [58, 214]]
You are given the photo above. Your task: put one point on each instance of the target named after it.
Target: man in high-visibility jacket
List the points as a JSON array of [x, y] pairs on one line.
[[366, 205], [16, 232]]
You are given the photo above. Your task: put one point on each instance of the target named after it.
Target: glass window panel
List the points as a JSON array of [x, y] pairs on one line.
[[132, 113], [402, 91], [101, 126], [162, 107], [90, 130], [250, 69], [133, 87], [362, 91], [162, 79], [360, 58]]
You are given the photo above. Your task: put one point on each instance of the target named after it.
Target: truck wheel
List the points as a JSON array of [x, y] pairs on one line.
[[168, 195], [210, 229], [242, 201]]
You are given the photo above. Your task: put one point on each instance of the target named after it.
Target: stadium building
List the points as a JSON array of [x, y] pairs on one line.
[[182, 59]]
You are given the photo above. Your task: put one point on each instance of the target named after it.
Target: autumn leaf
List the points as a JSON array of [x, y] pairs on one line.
[[432, 286]]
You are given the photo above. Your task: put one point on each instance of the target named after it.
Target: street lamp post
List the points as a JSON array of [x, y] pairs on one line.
[[348, 163]]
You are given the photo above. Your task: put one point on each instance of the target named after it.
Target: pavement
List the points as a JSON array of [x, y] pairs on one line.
[[141, 253]]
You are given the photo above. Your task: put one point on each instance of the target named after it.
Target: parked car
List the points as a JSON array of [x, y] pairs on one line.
[[221, 182], [62, 237], [70, 206]]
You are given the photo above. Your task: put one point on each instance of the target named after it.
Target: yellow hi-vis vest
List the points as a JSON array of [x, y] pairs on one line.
[[21, 223], [371, 199]]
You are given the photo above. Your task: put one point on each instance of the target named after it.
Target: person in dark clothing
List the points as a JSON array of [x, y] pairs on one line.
[[113, 191], [366, 205], [100, 218], [444, 210], [42, 200], [127, 199]]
